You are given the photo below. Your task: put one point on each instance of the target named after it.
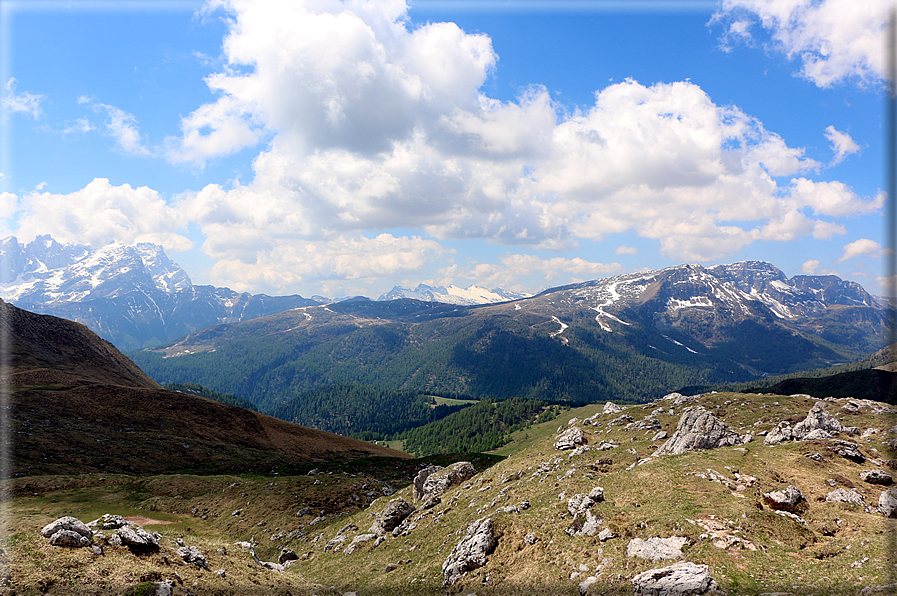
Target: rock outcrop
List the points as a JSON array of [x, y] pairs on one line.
[[656, 548], [433, 481], [676, 580], [392, 515], [570, 438], [67, 531], [789, 499], [887, 502], [470, 553], [698, 429]]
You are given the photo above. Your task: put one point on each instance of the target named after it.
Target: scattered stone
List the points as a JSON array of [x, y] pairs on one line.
[[69, 523], [137, 538], [792, 516], [611, 408], [657, 548], [887, 502], [530, 538], [394, 514], [221, 573], [660, 436], [69, 538], [192, 555], [790, 499], [597, 494], [300, 513], [579, 503], [876, 477], [164, 588], [677, 579], [585, 524], [470, 553], [606, 534], [435, 480], [621, 420], [570, 438], [847, 450], [698, 429], [818, 418], [606, 445], [586, 584], [844, 495], [97, 550], [288, 554]]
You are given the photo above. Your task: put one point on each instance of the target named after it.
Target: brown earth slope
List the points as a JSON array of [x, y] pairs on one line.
[[79, 405]]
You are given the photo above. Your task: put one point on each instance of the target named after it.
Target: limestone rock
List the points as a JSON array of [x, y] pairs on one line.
[[656, 548], [848, 450], [887, 502], [698, 429], [69, 538], [585, 524], [790, 499], [606, 534], [779, 434], [611, 408], [433, 481], [72, 524], [192, 555], [392, 515], [678, 579], [817, 419], [579, 503], [844, 495], [470, 553], [137, 538], [288, 554], [570, 438], [876, 477]]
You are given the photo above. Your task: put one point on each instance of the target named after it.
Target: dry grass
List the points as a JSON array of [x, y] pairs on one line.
[[842, 550]]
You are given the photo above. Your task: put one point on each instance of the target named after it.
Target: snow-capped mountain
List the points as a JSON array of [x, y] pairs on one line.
[[470, 296], [133, 296]]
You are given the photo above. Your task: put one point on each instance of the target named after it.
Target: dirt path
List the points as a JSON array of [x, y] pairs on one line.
[[142, 520]]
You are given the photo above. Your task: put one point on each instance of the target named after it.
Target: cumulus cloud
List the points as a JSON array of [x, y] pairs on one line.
[[835, 40], [327, 264], [24, 102], [842, 144], [371, 125], [861, 247], [119, 125], [512, 268], [810, 267], [623, 249], [100, 214]]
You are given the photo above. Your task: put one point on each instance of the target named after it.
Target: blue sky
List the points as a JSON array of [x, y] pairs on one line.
[[342, 148]]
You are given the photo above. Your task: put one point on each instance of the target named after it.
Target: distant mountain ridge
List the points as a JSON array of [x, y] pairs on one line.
[[469, 296], [133, 296], [627, 337]]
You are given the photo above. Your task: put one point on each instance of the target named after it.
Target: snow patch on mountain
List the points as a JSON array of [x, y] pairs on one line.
[[469, 296]]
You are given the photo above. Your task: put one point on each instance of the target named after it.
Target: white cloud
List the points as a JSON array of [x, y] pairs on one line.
[[119, 125], [861, 247], [842, 144], [25, 102], [623, 249], [326, 264], [100, 214], [516, 267], [835, 40], [810, 267], [80, 125]]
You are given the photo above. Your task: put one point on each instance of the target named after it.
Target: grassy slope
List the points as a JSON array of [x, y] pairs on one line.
[[655, 499]]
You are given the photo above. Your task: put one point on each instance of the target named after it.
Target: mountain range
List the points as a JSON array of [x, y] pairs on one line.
[[628, 337], [133, 296]]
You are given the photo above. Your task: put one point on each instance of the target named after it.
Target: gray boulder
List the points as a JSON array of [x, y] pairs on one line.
[[470, 553], [570, 438], [579, 503], [887, 502], [611, 408], [72, 524], [192, 555], [69, 538], [848, 450], [433, 481], [137, 538], [844, 495], [656, 548], [585, 524], [698, 429], [678, 579], [817, 419], [392, 515], [789, 499], [876, 477]]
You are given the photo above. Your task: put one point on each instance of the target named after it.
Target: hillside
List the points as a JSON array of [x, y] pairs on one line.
[[625, 338], [728, 507], [80, 406]]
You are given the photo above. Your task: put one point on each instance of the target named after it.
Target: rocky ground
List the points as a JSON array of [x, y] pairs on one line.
[[734, 493]]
